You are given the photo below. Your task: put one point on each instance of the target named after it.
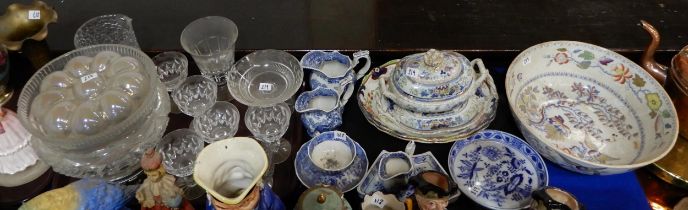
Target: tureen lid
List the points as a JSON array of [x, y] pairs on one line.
[[320, 197], [434, 67]]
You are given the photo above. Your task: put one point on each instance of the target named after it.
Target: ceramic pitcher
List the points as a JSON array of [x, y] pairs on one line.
[[335, 70], [321, 110], [674, 78], [395, 169], [230, 171]]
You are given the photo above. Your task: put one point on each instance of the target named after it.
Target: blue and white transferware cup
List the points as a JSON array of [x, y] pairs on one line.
[[321, 110], [332, 152], [334, 70]]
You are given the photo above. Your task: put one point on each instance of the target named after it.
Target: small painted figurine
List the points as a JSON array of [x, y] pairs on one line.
[[158, 191], [432, 191], [82, 194]]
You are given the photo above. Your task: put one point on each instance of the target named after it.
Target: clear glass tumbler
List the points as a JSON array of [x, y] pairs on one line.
[[210, 41], [106, 29]]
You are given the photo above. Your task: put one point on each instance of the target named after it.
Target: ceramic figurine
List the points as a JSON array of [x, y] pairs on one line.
[[19, 164], [321, 110], [552, 198], [158, 190], [21, 22], [432, 191], [82, 194], [335, 70], [230, 171]]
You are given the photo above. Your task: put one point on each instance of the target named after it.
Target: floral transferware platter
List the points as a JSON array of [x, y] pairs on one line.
[[497, 170], [387, 117], [345, 180], [603, 115]]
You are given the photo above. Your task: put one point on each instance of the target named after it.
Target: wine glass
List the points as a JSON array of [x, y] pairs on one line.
[[195, 95], [221, 121], [211, 42], [268, 124], [179, 149]]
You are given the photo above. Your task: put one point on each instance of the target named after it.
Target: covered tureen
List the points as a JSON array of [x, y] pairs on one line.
[[440, 91]]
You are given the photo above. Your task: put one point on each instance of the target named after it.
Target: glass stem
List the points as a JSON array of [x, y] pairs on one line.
[[272, 148]]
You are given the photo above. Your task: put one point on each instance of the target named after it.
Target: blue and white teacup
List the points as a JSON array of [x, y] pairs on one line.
[[334, 70], [332, 151], [321, 110]]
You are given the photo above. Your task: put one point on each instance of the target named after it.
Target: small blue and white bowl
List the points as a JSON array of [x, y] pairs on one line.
[[331, 158], [497, 170]]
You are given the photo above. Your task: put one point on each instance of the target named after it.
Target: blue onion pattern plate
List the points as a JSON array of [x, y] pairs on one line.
[[345, 180], [497, 170]]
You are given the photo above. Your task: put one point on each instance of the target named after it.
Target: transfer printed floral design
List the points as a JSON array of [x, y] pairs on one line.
[[620, 73]]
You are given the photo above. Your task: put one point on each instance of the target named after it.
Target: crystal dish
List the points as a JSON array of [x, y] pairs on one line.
[[122, 108]]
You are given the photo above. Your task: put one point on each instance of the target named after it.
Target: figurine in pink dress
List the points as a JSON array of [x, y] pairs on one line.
[[158, 191]]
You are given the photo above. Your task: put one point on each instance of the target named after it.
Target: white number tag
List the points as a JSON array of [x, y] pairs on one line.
[[339, 135], [379, 201], [411, 72], [34, 14], [88, 77], [265, 87], [526, 60]]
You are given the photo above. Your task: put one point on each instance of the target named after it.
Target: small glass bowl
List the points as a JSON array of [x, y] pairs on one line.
[[179, 149], [221, 121], [195, 95], [172, 69], [265, 78]]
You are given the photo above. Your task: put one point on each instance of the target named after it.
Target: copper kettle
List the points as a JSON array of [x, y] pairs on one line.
[[674, 78]]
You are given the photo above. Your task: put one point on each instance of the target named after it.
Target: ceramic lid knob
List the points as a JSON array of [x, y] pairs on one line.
[[321, 197], [433, 58]]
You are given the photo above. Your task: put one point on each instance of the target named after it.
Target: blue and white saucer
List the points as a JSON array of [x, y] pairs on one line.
[[345, 180], [497, 170]]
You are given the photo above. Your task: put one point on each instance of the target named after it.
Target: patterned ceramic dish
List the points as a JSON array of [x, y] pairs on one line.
[[344, 177], [435, 103], [379, 111], [497, 170], [421, 162], [460, 116], [603, 115], [433, 75]]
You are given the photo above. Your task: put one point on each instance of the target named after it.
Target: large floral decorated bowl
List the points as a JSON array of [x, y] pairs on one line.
[[588, 109]]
